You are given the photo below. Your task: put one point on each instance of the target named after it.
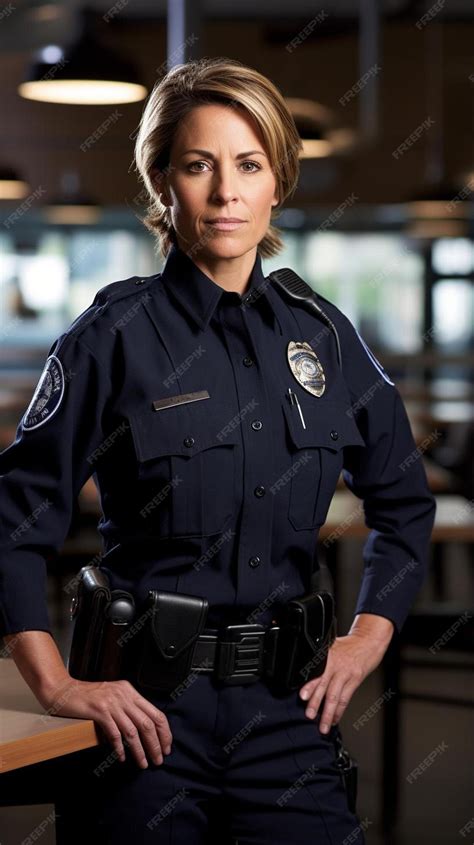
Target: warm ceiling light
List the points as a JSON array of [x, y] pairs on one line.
[[315, 148], [12, 186], [431, 229], [441, 201], [86, 73], [315, 124], [72, 213]]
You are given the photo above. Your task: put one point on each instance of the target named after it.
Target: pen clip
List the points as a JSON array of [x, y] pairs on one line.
[[294, 401]]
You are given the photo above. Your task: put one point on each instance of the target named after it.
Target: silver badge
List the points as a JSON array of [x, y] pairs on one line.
[[306, 367], [47, 397]]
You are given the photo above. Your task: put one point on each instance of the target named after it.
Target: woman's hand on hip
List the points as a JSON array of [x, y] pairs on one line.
[[350, 659]]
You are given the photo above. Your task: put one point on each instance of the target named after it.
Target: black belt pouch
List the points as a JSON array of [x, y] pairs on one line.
[[307, 629], [173, 624]]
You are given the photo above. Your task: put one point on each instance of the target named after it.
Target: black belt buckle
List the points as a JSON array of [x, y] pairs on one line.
[[240, 653]]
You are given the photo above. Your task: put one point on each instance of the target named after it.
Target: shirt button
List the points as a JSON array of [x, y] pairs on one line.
[[140, 282], [254, 561], [259, 491], [257, 425], [334, 435], [248, 361], [189, 441]]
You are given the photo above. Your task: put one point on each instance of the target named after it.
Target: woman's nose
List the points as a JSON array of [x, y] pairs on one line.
[[224, 184]]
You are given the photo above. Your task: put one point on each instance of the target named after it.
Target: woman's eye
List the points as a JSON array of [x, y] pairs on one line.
[[253, 163]]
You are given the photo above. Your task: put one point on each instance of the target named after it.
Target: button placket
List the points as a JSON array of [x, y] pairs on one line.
[[256, 522]]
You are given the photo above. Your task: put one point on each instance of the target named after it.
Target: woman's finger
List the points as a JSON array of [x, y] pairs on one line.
[[348, 691], [315, 700], [337, 699], [152, 730], [112, 735], [159, 720], [131, 735]]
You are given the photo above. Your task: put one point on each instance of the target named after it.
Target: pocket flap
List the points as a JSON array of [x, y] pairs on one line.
[[176, 622], [329, 424], [181, 430]]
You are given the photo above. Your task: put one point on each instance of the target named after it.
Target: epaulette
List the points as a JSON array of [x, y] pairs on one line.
[[104, 297], [121, 289]]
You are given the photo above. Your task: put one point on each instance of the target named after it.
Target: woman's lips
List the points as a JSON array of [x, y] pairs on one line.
[[226, 226]]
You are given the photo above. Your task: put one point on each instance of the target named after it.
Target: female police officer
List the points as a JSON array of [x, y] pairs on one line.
[[216, 417]]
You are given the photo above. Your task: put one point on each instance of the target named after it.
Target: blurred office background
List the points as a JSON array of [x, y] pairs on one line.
[[382, 224]]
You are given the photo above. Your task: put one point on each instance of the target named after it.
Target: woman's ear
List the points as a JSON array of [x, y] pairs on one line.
[[158, 179]]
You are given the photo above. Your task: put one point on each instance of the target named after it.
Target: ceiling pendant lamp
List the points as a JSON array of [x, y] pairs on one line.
[[316, 127], [12, 186], [85, 73]]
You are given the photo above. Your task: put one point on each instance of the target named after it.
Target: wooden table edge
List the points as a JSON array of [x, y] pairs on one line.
[[44, 746]]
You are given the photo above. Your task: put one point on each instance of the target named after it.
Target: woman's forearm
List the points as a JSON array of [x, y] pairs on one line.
[[39, 661]]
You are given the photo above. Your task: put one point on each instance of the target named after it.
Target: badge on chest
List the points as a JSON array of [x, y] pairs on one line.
[[306, 367]]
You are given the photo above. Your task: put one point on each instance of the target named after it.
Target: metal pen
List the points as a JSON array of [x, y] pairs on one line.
[[294, 401]]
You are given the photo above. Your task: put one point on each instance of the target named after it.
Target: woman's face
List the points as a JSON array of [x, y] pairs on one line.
[[209, 177]]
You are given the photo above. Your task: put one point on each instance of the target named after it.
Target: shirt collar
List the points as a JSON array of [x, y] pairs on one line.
[[200, 295]]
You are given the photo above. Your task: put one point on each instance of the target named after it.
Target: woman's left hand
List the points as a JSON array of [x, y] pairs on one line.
[[350, 659]]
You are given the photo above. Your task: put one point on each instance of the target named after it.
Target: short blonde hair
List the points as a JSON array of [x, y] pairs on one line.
[[205, 81]]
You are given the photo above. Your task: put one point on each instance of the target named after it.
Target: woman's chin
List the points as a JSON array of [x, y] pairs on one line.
[[224, 246]]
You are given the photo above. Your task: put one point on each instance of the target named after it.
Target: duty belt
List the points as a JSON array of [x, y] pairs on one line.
[[236, 654], [161, 642]]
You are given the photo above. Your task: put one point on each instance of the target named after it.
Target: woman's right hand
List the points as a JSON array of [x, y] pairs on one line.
[[121, 713]]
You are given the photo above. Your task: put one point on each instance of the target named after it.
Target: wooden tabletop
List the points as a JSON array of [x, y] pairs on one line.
[[28, 734]]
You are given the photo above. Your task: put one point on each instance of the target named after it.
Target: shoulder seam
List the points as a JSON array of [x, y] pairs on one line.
[[104, 297]]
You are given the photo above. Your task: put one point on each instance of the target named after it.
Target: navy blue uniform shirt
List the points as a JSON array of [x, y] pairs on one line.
[[223, 496]]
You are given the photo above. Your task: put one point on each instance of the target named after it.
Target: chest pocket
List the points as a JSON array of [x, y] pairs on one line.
[[187, 469], [317, 455]]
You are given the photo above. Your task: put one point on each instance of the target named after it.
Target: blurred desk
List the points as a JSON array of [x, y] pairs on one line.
[[439, 389], [440, 480], [454, 518], [439, 412], [454, 522], [28, 734]]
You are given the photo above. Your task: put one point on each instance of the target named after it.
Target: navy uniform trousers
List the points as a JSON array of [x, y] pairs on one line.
[[246, 766]]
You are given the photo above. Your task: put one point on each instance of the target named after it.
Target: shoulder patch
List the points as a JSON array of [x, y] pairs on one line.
[[47, 396], [376, 363]]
